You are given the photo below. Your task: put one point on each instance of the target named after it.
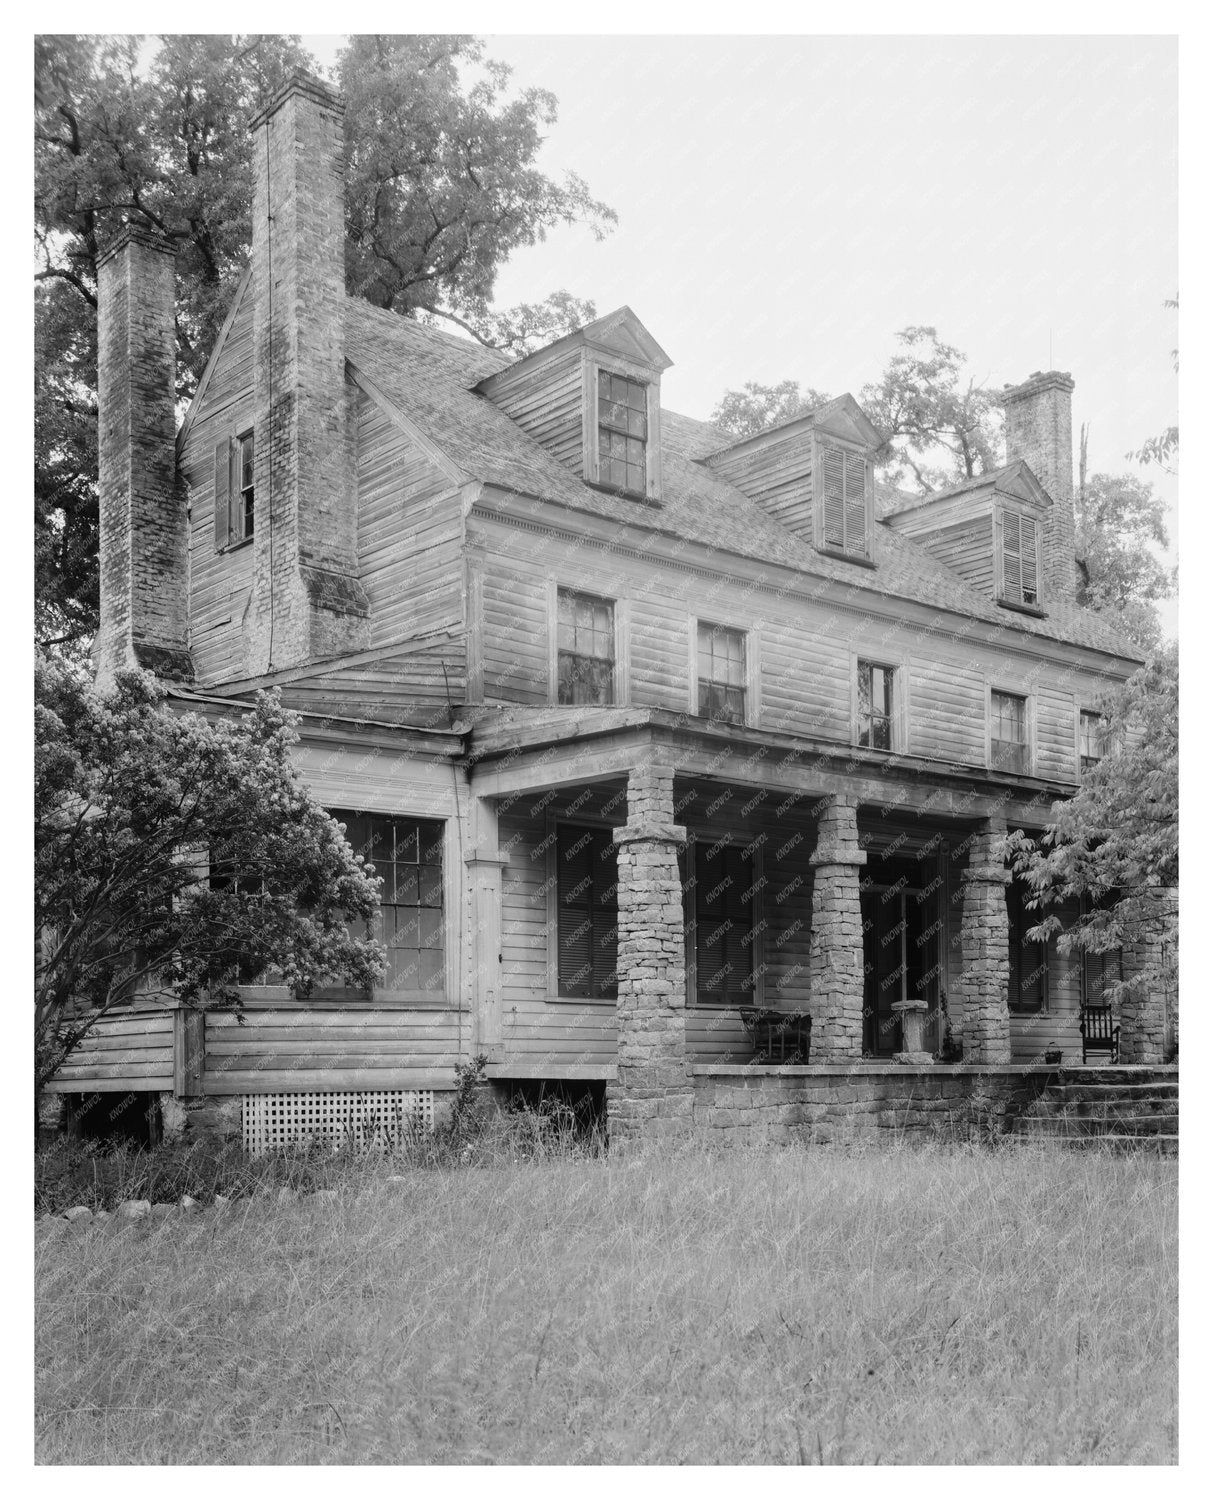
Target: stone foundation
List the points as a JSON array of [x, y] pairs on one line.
[[738, 1105]]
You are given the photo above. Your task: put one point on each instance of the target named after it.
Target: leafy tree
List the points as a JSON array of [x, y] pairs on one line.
[[1163, 449], [1118, 522], [937, 427], [754, 407], [1115, 843], [442, 188], [133, 804]]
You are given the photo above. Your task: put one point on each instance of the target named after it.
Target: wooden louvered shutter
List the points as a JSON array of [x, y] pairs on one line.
[[1012, 560], [1031, 583], [575, 921], [856, 504], [605, 917], [833, 476], [223, 493]]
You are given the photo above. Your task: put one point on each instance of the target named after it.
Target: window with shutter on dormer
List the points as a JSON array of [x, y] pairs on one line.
[[844, 501], [1020, 564]]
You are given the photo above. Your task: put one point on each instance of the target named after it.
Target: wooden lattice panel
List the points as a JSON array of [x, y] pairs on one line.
[[374, 1119]]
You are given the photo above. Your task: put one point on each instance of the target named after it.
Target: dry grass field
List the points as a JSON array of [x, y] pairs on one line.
[[780, 1307]]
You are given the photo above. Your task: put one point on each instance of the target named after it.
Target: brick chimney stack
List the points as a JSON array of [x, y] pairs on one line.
[[144, 566], [1039, 429], [307, 602]]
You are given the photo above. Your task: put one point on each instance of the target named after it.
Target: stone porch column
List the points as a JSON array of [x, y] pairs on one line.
[[652, 1097], [985, 970], [836, 945], [1144, 1012]]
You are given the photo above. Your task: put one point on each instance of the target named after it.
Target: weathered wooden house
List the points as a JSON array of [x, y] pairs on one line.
[[644, 727]]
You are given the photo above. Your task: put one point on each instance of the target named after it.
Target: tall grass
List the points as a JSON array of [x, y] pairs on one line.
[[796, 1306]]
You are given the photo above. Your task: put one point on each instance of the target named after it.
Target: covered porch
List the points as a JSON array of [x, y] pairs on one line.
[[648, 878]]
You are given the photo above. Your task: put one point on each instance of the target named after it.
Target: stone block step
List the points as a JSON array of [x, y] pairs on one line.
[[1086, 1125]]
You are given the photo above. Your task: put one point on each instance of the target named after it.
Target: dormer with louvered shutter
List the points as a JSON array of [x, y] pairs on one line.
[[813, 475], [990, 530]]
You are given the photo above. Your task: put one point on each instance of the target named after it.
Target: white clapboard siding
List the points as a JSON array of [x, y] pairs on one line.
[[128, 1049], [303, 1045], [220, 582], [547, 403]]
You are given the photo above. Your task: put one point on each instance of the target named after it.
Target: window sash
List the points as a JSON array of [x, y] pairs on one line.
[[587, 933], [721, 655], [585, 649], [623, 431], [242, 520], [875, 705], [407, 856], [1092, 744]]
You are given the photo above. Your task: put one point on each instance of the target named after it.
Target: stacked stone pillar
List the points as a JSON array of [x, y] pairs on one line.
[[836, 948], [1147, 1010], [652, 1098], [985, 968]]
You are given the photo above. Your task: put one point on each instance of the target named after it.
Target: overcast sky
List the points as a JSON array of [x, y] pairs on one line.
[[787, 203]]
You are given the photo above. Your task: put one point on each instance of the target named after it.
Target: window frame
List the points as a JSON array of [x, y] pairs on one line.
[[1028, 699], [1034, 606], [593, 363], [1085, 762], [690, 917], [897, 708], [229, 501], [619, 674], [821, 443], [748, 672], [553, 823]]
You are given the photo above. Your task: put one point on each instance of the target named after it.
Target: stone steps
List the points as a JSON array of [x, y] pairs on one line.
[[1121, 1109]]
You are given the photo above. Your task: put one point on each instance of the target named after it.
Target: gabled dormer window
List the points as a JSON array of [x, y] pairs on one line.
[[622, 427], [623, 433], [844, 496], [1020, 580]]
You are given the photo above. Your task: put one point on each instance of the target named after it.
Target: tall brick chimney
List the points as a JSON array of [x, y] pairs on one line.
[[144, 565], [307, 601], [1039, 429]]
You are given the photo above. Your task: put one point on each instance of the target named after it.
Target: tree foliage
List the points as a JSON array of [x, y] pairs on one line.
[[179, 853], [442, 182], [754, 408], [1118, 522], [937, 425], [1115, 843]]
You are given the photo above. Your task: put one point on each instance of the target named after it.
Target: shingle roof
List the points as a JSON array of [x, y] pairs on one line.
[[428, 375]]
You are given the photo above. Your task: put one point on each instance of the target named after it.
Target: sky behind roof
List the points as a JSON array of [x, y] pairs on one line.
[[786, 204]]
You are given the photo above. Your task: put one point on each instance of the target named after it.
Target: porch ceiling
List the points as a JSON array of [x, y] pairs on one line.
[[539, 752]]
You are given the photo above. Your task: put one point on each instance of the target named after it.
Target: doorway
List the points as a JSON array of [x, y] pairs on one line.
[[899, 911]]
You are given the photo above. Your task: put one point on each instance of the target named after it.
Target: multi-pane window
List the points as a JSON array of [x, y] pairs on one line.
[[844, 501], [586, 907], [1020, 573], [721, 673], [1092, 746], [1026, 989], [726, 959], [1008, 732], [407, 856], [875, 706], [585, 648], [244, 500], [234, 490], [623, 432]]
